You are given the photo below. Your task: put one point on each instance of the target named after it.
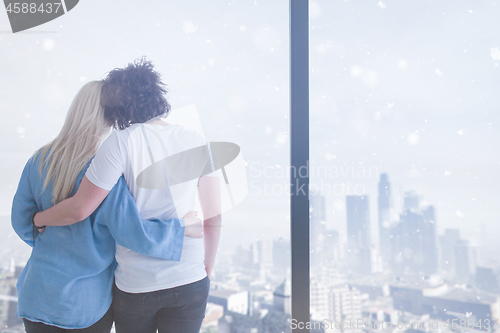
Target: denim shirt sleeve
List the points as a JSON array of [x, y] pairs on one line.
[[155, 238], [23, 207]]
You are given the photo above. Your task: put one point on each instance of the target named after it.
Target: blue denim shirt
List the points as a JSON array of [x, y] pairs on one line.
[[68, 279]]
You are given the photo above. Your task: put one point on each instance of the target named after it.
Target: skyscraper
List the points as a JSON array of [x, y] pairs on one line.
[[281, 254], [429, 240], [411, 201], [465, 260], [415, 242], [332, 246], [263, 254], [361, 252], [358, 222], [447, 243], [281, 297], [384, 215]]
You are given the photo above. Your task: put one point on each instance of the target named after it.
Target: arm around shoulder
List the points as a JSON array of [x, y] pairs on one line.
[[74, 209], [156, 238]]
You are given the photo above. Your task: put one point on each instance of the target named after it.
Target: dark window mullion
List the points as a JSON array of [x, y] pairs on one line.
[[299, 159]]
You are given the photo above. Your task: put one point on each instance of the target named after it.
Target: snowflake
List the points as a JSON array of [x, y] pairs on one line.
[[495, 53], [189, 27]]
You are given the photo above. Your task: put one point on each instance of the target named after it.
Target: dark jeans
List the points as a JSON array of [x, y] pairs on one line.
[[102, 326], [175, 310]]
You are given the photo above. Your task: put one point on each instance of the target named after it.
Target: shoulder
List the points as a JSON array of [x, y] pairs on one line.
[[188, 134], [31, 178], [32, 166], [123, 134], [34, 160], [117, 140]]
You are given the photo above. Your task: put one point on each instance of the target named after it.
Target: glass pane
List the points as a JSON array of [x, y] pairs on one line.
[[226, 64], [403, 114]]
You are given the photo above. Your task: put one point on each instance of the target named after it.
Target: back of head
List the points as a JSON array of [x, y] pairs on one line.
[[83, 130], [134, 94]]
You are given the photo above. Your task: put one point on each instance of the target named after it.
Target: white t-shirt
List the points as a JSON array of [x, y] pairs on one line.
[[144, 154]]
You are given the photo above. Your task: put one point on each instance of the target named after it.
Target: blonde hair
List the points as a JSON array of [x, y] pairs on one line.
[[79, 139]]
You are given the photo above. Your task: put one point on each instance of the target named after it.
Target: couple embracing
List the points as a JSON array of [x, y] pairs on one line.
[[107, 248]]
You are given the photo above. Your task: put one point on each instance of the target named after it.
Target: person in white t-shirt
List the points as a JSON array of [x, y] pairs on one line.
[[164, 166]]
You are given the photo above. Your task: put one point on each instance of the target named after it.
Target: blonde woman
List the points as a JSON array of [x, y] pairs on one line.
[[67, 282]]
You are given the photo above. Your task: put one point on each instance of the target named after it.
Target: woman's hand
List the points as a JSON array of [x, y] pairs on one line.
[[41, 229], [209, 271], [193, 226]]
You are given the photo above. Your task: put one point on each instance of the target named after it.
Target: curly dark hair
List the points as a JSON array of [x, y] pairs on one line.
[[134, 94]]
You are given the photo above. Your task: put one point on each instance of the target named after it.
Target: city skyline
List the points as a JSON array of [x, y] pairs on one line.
[[335, 295]]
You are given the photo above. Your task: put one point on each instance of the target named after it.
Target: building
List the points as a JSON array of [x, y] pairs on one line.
[[487, 280], [408, 295], [267, 320], [213, 313], [414, 242], [465, 261], [457, 257], [345, 305], [281, 297], [447, 243], [443, 302], [263, 255], [328, 275], [375, 286], [377, 314], [271, 322], [4, 301], [231, 300], [384, 216], [370, 261], [8, 298], [243, 258], [320, 308], [359, 242], [333, 247], [466, 304], [358, 222], [335, 303], [281, 255], [411, 201], [233, 322]]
